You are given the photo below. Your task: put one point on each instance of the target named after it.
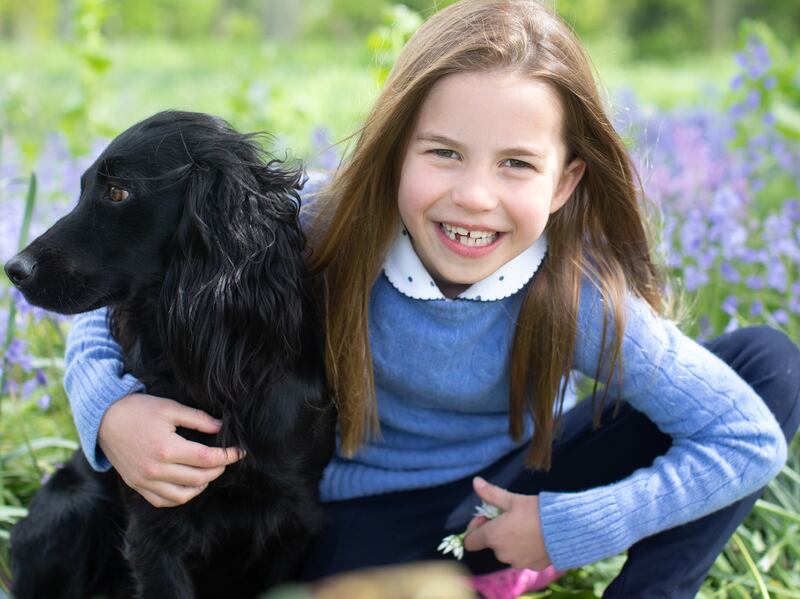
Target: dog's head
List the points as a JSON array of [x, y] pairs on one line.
[[177, 186]]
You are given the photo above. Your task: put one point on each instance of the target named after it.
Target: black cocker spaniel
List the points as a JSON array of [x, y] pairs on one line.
[[190, 236]]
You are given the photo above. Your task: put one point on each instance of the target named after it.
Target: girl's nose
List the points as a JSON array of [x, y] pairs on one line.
[[474, 193]]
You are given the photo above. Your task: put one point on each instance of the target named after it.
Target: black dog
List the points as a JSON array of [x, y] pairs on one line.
[[192, 240]]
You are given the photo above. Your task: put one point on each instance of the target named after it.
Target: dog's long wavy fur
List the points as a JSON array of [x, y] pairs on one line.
[[210, 300]]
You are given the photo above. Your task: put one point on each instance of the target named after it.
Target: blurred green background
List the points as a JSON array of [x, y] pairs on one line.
[[90, 68]]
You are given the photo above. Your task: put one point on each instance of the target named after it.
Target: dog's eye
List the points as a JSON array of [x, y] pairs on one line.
[[116, 194]]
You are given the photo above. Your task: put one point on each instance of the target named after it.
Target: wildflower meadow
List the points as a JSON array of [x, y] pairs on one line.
[[722, 181]]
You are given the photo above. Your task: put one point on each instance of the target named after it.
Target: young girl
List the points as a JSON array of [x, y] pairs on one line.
[[483, 240]]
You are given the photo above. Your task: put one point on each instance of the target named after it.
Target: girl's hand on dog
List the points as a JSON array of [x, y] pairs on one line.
[[515, 536], [138, 436]]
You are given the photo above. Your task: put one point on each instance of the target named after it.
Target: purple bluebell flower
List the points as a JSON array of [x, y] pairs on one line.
[[783, 156], [44, 402], [17, 353], [694, 277], [776, 275], [747, 255], [730, 304], [729, 272], [737, 110], [732, 325], [758, 49], [755, 282], [753, 100], [707, 257], [781, 317], [741, 59], [705, 330], [28, 388]]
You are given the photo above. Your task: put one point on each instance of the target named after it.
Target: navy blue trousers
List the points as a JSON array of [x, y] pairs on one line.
[[408, 526]]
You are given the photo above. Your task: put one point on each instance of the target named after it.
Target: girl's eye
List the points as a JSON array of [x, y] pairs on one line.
[[445, 153], [514, 163], [116, 194]]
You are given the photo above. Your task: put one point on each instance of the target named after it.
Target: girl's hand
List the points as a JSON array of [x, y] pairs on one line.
[[137, 435], [515, 536]]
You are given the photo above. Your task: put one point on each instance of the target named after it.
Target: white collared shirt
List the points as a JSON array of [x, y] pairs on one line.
[[409, 276]]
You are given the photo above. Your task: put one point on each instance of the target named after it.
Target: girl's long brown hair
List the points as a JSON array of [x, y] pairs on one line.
[[598, 234]]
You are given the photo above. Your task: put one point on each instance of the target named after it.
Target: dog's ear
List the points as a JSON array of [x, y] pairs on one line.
[[235, 286]]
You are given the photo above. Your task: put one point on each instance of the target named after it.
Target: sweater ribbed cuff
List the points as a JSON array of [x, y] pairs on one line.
[[581, 528], [92, 394]]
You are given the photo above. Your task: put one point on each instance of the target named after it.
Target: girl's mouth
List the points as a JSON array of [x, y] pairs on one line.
[[467, 237]]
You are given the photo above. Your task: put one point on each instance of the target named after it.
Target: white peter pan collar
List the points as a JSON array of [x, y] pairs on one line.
[[406, 272]]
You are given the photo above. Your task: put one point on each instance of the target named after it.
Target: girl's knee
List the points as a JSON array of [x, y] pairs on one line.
[[766, 340], [770, 363], [780, 360], [763, 348]]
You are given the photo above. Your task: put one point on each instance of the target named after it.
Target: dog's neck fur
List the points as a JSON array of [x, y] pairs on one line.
[[137, 327]]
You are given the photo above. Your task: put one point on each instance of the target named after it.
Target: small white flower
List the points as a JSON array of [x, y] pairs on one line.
[[455, 543], [487, 510]]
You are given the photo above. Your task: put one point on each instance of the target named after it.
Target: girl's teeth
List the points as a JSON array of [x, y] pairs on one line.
[[467, 237]]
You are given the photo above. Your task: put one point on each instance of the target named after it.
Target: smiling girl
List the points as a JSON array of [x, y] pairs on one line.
[[483, 170], [484, 240]]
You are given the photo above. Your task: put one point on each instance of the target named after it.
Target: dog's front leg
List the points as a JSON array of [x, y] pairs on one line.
[[156, 560], [67, 547]]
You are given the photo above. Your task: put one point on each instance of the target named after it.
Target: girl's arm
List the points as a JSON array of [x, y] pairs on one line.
[[135, 433], [93, 379], [726, 442]]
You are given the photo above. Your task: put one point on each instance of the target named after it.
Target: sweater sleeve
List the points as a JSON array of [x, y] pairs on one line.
[[726, 443], [93, 379]]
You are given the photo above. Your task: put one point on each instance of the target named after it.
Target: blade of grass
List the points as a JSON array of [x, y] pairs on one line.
[[751, 565], [790, 473], [783, 497], [778, 511], [30, 199], [40, 443]]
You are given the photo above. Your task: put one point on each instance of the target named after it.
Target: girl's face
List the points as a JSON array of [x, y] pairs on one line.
[[482, 172]]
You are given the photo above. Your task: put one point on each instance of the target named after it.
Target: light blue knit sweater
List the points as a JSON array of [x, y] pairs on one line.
[[441, 370]]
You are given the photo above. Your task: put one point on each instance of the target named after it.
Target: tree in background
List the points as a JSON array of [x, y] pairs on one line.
[[671, 28]]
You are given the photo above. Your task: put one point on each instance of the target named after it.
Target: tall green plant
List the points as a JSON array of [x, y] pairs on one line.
[[79, 121], [10, 513], [766, 91], [30, 200], [387, 40]]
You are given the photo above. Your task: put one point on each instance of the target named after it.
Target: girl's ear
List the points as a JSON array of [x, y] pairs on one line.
[[569, 180]]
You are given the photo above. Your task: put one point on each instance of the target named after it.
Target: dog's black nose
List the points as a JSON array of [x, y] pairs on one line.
[[20, 268]]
